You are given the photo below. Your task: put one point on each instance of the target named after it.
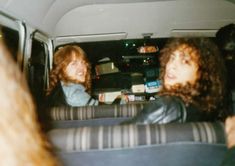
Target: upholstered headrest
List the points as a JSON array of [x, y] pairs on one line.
[[93, 112]]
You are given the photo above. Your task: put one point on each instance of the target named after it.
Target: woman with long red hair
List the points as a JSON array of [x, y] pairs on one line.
[[70, 78]]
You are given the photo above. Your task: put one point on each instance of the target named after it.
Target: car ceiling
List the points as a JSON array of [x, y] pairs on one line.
[[51, 16]]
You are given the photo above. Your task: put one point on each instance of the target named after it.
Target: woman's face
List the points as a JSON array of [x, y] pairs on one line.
[[180, 69], [77, 70]]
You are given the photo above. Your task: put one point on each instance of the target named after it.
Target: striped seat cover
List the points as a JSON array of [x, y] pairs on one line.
[[93, 112], [128, 136]]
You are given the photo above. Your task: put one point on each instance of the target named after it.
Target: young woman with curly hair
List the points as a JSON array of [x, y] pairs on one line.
[[70, 78], [193, 84]]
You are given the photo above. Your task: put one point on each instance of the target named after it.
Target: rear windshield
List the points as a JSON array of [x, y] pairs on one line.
[[116, 63]]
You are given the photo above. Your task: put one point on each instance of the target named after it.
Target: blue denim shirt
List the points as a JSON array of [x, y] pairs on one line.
[[75, 95]]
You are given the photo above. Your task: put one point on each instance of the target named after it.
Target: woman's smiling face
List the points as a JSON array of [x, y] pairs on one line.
[[181, 68], [77, 70]]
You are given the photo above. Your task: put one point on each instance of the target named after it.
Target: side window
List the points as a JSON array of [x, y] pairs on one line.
[[38, 73], [11, 39]]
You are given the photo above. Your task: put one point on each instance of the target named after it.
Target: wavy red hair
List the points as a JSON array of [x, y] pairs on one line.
[[61, 60]]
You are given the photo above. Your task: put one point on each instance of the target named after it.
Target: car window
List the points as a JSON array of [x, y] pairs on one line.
[[11, 40], [38, 70], [125, 65]]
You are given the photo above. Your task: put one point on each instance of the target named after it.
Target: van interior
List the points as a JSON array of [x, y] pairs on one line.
[[122, 40]]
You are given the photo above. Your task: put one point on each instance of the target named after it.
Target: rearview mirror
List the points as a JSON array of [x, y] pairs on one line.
[[147, 49]]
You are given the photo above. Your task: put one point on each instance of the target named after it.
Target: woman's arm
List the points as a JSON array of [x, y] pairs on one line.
[[164, 109]]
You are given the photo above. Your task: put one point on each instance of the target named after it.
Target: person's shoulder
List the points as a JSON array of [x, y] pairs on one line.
[[166, 102]]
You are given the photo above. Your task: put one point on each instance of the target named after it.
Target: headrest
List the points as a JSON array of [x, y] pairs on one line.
[[93, 112]]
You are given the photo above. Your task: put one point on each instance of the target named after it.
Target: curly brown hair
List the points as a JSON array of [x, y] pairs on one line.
[[61, 60], [208, 93]]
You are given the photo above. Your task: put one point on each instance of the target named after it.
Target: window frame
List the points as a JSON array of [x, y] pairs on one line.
[[14, 24]]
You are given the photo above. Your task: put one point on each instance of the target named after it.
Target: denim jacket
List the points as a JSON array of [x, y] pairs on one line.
[[70, 95], [75, 95]]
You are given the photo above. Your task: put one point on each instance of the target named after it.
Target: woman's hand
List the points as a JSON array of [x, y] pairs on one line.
[[124, 99], [101, 97], [121, 99], [230, 131]]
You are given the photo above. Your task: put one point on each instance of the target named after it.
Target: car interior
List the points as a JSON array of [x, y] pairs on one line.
[[122, 40]]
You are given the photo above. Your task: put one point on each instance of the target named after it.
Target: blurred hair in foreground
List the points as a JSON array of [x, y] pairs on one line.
[[21, 140]]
